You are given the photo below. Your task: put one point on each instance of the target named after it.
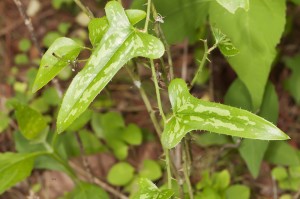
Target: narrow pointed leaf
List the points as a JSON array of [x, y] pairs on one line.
[[98, 26], [119, 44], [232, 6], [190, 113], [62, 51]]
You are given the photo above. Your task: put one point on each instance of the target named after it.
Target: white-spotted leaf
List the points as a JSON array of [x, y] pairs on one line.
[[148, 190], [190, 113], [98, 26], [224, 43], [62, 51], [119, 44], [233, 5]]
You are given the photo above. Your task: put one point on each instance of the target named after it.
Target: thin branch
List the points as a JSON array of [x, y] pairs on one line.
[[184, 59], [85, 9], [29, 25]]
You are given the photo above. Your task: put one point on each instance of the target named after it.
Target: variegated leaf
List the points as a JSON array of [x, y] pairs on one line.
[[98, 26], [224, 43], [149, 190], [190, 113], [119, 44], [233, 5], [60, 54]]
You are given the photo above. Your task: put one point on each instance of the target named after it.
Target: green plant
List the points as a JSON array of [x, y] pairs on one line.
[[115, 43]]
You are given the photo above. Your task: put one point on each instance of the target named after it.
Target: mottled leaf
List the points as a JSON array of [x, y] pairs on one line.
[[148, 190], [255, 34], [60, 53], [179, 19], [119, 44], [224, 43], [98, 26], [233, 5], [190, 113], [14, 167]]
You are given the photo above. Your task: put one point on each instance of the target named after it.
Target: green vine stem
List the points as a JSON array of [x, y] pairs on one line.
[[157, 91], [147, 17], [203, 61], [186, 168], [161, 34]]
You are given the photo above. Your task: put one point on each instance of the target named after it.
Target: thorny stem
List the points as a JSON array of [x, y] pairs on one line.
[[85, 9], [137, 82], [157, 91], [203, 61], [161, 34]]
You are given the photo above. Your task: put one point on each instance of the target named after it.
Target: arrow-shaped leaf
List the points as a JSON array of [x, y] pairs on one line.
[[119, 44], [60, 54], [98, 26], [190, 113]]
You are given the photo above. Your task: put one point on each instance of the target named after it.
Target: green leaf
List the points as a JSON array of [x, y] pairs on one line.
[[50, 95], [60, 53], [257, 48], [294, 171], [98, 26], [4, 121], [281, 153], [279, 173], [190, 113], [87, 191], [90, 142], [148, 190], [119, 44], [221, 180], [24, 45], [150, 170], [21, 59], [252, 151], [14, 167], [292, 84], [182, 19], [30, 122], [224, 43], [232, 6], [238, 192], [210, 139], [50, 38], [132, 134], [120, 149], [120, 174]]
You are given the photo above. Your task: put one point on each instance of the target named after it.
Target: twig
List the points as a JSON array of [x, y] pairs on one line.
[[186, 169], [84, 160], [99, 182], [274, 187], [85, 9], [161, 34], [29, 25]]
